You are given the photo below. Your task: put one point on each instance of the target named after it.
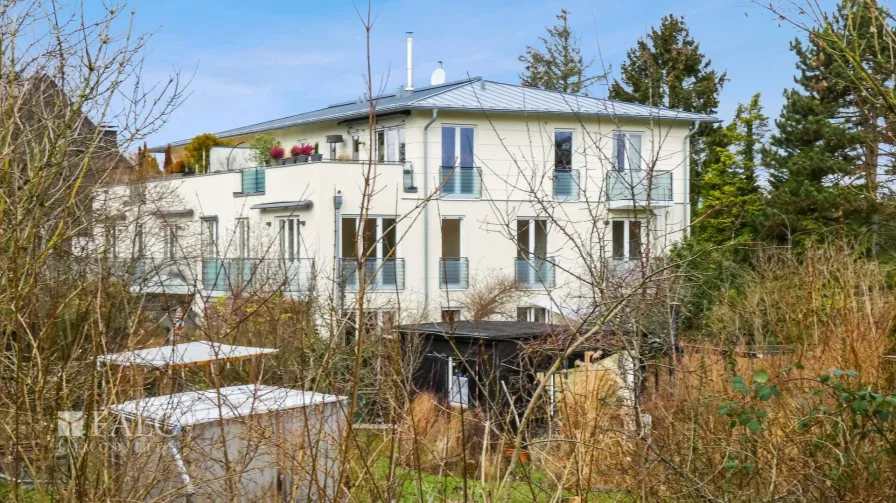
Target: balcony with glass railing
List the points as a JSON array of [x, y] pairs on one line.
[[633, 189], [454, 273], [567, 184], [461, 183], [257, 274], [535, 273], [378, 274]]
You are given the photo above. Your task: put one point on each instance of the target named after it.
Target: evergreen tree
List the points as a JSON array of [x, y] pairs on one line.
[[668, 70], [731, 194], [559, 66], [825, 158]]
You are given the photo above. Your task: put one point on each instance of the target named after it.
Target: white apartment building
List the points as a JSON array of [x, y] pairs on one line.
[[470, 179]]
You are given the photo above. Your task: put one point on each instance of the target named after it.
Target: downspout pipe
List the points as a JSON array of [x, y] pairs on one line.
[[686, 148], [435, 113]]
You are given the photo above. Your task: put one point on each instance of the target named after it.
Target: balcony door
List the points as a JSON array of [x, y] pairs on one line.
[[290, 239], [453, 265], [532, 267], [458, 161], [627, 240], [375, 238]]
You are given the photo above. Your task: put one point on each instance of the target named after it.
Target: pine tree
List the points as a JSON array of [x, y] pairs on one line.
[[668, 70], [825, 158], [559, 66], [731, 196]]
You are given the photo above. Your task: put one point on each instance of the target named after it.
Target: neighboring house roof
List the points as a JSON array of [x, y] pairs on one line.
[[485, 329], [198, 407], [474, 94]]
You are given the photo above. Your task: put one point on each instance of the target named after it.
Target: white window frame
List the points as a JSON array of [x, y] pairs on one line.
[[457, 143], [626, 240], [243, 236], [356, 147], [286, 240], [209, 237], [572, 146], [451, 378], [530, 313], [462, 247], [547, 235], [392, 139], [379, 235], [171, 240], [629, 160]]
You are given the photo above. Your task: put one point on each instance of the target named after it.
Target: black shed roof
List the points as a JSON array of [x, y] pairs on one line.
[[509, 330]]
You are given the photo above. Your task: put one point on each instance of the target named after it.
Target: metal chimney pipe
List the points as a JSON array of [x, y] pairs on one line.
[[410, 86]]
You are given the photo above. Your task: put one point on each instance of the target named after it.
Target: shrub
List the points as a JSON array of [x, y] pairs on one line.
[[261, 147], [199, 149], [277, 152]]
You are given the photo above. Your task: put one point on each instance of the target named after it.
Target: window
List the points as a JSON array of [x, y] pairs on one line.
[[210, 237], [462, 379], [453, 271], [118, 234], [562, 150], [242, 237], [138, 241], [458, 162], [333, 151], [356, 147], [627, 151], [375, 238], [534, 269], [390, 144], [172, 232], [532, 314], [290, 238], [252, 181], [450, 315], [627, 239]]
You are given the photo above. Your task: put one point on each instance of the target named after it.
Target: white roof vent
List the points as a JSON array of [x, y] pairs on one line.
[[438, 76]]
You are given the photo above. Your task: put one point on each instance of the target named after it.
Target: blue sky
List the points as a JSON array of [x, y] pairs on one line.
[[252, 62]]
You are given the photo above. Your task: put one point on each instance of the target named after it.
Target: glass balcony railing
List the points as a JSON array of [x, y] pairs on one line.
[[535, 272], [378, 274], [567, 184], [268, 274], [634, 189], [462, 183], [454, 273]]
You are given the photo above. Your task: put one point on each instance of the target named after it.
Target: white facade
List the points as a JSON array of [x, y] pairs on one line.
[[585, 220]]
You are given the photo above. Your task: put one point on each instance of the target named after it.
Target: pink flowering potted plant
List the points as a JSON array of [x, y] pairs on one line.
[[296, 153], [277, 153]]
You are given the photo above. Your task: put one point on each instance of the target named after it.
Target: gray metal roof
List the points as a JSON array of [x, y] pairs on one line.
[[474, 94]]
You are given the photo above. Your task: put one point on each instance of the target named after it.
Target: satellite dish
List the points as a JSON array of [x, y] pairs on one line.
[[438, 77]]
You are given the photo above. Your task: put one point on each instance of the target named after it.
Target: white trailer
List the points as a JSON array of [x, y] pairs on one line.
[[239, 443]]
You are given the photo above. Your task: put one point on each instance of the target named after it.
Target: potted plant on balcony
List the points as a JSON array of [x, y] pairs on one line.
[[316, 155], [277, 153], [298, 153]]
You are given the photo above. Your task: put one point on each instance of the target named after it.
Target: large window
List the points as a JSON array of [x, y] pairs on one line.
[[626, 237], [375, 238], [390, 144], [562, 150], [627, 151]]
